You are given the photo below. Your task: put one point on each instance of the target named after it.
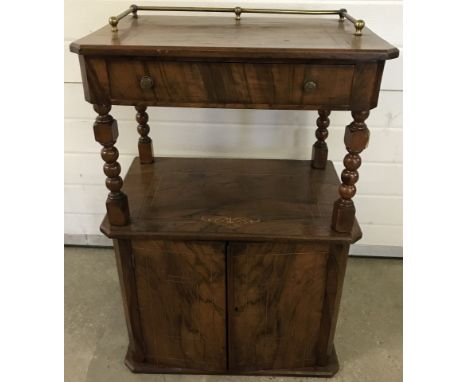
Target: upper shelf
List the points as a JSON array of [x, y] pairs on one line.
[[252, 37]]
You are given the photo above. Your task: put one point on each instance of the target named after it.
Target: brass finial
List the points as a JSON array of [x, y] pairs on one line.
[[342, 16], [134, 9], [359, 25], [238, 12], [113, 23]]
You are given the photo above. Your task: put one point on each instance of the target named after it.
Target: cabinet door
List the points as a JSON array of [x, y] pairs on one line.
[[181, 295], [275, 299]]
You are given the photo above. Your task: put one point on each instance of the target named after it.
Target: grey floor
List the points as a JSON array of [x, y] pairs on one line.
[[368, 337]]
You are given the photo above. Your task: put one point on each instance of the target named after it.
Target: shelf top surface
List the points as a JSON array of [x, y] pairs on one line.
[[230, 199], [308, 37]]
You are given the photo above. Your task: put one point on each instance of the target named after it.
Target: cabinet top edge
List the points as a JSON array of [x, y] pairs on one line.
[[253, 37]]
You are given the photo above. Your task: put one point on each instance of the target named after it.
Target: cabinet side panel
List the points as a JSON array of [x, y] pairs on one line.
[[95, 80], [124, 261], [181, 293], [336, 267], [275, 304], [366, 85]]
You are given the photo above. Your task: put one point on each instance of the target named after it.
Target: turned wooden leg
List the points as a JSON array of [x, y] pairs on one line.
[[106, 133], [320, 148], [356, 139], [145, 144]]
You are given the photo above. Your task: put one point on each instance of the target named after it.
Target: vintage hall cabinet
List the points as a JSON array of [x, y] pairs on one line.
[[232, 266]]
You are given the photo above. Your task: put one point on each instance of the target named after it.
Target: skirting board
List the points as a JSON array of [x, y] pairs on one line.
[[355, 250]]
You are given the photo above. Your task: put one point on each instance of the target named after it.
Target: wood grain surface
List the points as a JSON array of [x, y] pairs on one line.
[[335, 273], [250, 84], [124, 261], [266, 37], [259, 63], [231, 199], [232, 265], [216, 83], [275, 299], [181, 295], [106, 133]]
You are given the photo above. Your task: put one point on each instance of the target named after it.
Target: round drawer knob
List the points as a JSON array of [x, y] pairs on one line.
[[146, 82], [309, 86]]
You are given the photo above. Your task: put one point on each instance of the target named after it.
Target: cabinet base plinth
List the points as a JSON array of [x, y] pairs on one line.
[[326, 371]]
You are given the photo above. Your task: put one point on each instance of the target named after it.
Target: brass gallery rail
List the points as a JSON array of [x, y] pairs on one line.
[[342, 13]]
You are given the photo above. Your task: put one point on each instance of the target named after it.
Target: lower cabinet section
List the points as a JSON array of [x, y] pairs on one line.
[[237, 307]]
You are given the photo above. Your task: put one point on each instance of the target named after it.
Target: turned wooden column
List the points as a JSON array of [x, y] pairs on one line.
[[106, 133], [320, 148], [356, 139], [145, 144]]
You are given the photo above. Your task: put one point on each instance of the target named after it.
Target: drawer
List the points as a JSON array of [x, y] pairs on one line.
[[225, 84]]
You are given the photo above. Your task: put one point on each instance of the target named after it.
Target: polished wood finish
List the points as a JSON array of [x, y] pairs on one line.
[[216, 62], [274, 289], [336, 267], [266, 85], [320, 148], [125, 260], [316, 371], [356, 140], [145, 144], [212, 306], [232, 265], [242, 85], [231, 199], [181, 298], [106, 133], [366, 85], [222, 37]]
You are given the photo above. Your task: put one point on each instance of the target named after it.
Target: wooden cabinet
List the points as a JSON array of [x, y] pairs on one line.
[[241, 306], [232, 265]]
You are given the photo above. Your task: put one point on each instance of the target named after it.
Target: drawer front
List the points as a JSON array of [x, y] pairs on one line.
[[229, 84]]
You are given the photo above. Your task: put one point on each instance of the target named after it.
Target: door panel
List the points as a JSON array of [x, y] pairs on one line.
[[275, 298], [181, 295]]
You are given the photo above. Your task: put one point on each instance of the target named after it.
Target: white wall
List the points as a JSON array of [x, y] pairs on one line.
[[238, 133]]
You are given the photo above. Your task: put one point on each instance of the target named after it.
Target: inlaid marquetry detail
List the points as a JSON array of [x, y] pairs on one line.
[[228, 221]]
